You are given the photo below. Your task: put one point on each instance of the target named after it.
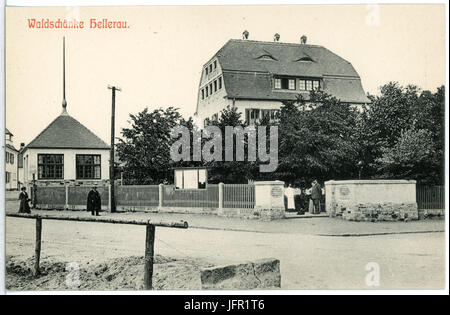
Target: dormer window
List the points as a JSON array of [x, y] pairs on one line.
[[305, 59], [284, 84], [266, 57]]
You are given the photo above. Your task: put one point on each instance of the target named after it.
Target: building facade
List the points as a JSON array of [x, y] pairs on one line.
[[66, 151], [256, 77], [11, 162]]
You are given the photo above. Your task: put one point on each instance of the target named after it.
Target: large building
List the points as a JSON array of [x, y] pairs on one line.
[[11, 160], [256, 77], [65, 151]]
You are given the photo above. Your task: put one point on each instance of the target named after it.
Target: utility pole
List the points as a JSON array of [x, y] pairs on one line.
[[111, 156]]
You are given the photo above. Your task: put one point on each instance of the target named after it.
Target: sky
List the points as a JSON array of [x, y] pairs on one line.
[[157, 60]]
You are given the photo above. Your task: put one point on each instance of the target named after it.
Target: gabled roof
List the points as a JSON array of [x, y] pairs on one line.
[[243, 55], [248, 76], [65, 132], [11, 147]]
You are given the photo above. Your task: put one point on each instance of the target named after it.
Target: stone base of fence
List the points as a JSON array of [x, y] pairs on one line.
[[431, 213], [378, 212], [67, 207], [258, 214]]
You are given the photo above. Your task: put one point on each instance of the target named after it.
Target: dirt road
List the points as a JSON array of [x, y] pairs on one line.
[[408, 261]]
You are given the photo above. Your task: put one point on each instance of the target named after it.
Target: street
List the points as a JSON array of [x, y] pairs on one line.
[[406, 261]]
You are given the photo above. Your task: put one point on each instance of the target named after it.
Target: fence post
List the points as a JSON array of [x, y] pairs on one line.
[[66, 206], [109, 197], [161, 195], [149, 254], [220, 196], [37, 251]]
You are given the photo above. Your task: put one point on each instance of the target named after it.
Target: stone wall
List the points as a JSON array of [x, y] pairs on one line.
[[372, 200]]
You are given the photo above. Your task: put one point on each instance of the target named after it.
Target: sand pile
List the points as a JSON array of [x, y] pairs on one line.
[[126, 273]]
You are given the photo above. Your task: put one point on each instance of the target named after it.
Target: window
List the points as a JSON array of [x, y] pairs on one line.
[[215, 64], [211, 88], [220, 83], [308, 85], [285, 83], [8, 177], [190, 179], [291, 84], [302, 85], [210, 68], [88, 166], [11, 158], [7, 157], [316, 85], [206, 91], [50, 166], [278, 83], [215, 85], [206, 70], [251, 116], [203, 94]]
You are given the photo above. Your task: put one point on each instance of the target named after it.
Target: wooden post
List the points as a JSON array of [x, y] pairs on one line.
[[37, 252], [149, 256], [111, 152]]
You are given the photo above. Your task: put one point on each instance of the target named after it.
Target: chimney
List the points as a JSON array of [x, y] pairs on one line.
[[303, 39], [276, 37], [245, 34]]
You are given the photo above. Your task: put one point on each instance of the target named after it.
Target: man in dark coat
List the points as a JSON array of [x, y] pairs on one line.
[[316, 195], [24, 206], [94, 202]]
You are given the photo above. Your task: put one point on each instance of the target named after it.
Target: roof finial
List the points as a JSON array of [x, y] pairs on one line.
[[64, 103]]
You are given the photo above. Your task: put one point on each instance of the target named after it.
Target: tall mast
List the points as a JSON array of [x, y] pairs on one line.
[[64, 102]]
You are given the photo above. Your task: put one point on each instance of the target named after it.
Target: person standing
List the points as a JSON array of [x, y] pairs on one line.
[[24, 206], [289, 193], [94, 202], [316, 195]]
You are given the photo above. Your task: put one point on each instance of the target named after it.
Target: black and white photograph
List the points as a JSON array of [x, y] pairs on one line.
[[214, 148]]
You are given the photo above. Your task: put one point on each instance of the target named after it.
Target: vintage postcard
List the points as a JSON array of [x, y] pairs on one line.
[[202, 148]]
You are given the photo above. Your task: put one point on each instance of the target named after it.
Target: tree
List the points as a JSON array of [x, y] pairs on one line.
[[230, 171], [410, 158], [384, 122], [317, 139], [145, 147]]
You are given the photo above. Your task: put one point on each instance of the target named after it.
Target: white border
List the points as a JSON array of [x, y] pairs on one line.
[[215, 2]]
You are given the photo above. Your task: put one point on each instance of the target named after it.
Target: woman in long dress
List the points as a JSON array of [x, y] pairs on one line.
[[24, 206], [289, 193]]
